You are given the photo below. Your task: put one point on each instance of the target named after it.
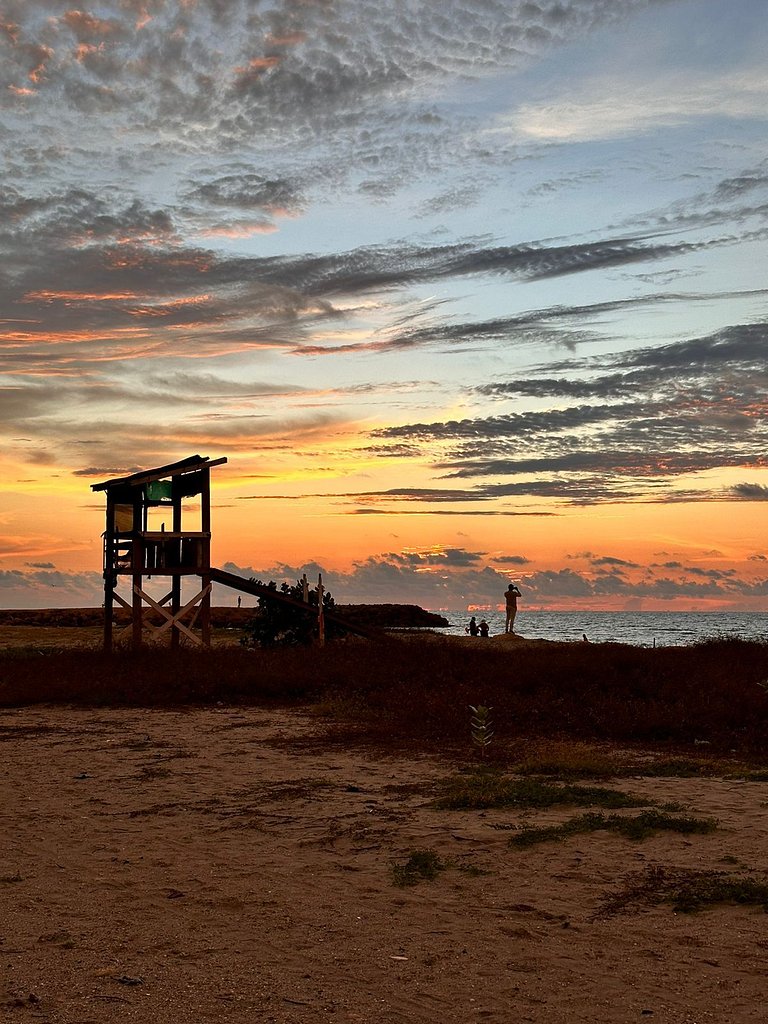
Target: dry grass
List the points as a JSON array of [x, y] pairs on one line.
[[702, 704], [687, 890]]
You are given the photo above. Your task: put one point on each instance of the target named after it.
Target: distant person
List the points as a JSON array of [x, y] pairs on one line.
[[472, 628], [239, 601], [511, 595], [483, 628]]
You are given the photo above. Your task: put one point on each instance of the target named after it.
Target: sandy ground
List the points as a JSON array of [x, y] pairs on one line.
[[202, 865]]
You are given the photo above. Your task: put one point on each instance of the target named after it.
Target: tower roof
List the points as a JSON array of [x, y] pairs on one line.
[[145, 476]]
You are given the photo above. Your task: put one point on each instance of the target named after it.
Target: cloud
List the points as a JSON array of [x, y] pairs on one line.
[[248, 191], [213, 76], [149, 303], [686, 407], [46, 588], [609, 560], [152, 298], [608, 108], [750, 492], [435, 577], [395, 578]]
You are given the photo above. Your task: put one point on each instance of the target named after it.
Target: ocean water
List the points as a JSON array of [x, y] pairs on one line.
[[643, 629]]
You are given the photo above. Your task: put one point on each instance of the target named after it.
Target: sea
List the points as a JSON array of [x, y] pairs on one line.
[[642, 629]]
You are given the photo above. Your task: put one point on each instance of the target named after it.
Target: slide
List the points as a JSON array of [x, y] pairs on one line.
[[235, 582]]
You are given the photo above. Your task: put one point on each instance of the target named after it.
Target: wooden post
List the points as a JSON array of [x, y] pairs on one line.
[[205, 527], [176, 580], [320, 615], [137, 565], [109, 574]]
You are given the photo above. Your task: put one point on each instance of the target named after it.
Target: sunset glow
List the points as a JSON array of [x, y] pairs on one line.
[[466, 296]]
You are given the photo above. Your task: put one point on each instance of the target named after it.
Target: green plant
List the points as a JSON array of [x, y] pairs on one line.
[[421, 865], [638, 827], [687, 890], [481, 727]]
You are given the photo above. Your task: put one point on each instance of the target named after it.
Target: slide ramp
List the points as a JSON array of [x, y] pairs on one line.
[[240, 583]]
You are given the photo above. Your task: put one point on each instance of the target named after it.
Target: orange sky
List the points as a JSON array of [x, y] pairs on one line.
[[651, 556], [464, 292]]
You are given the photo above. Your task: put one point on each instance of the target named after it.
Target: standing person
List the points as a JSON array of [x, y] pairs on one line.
[[472, 627], [511, 595]]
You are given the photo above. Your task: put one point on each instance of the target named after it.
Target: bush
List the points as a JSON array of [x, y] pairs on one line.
[[280, 624]]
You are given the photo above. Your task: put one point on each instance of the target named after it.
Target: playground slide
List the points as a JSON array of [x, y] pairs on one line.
[[235, 582]]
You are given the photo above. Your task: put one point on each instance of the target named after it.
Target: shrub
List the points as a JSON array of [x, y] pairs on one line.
[[279, 624], [421, 865]]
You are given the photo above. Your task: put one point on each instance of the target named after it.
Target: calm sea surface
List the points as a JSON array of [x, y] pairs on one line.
[[641, 628]]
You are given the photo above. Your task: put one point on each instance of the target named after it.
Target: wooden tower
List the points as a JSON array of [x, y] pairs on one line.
[[134, 551]]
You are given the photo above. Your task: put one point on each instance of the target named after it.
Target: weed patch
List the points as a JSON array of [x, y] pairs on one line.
[[688, 891], [422, 865], [637, 827], [472, 870], [755, 775]]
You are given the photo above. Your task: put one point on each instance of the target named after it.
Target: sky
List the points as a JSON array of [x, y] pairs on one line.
[[466, 292]]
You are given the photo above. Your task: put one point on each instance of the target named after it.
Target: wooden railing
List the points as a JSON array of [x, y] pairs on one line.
[[160, 552]]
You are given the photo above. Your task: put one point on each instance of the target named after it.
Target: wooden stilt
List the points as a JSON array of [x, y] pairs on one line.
[[320, 612]]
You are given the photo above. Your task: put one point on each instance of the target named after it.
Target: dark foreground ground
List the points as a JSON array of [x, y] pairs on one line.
[[413, 692]]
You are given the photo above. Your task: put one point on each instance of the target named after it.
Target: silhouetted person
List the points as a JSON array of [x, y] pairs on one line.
[[239, 601], [483, 627], [472, 627], [511, 595]]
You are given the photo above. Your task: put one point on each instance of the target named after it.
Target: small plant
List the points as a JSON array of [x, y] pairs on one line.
[[641, 826], [472, 870], [481, 727], [686, 890], [569, 760], [421, 865]]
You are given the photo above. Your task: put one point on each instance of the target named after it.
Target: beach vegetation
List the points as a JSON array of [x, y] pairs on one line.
[[421, 865], [566, 710], [637, 827], [278, 624], [481, 727], [687, 890]]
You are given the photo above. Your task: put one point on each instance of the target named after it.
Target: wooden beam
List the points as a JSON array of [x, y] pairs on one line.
[[173, 620], [189, 465]]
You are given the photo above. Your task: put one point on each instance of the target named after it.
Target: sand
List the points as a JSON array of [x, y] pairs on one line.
[[224, 865]]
